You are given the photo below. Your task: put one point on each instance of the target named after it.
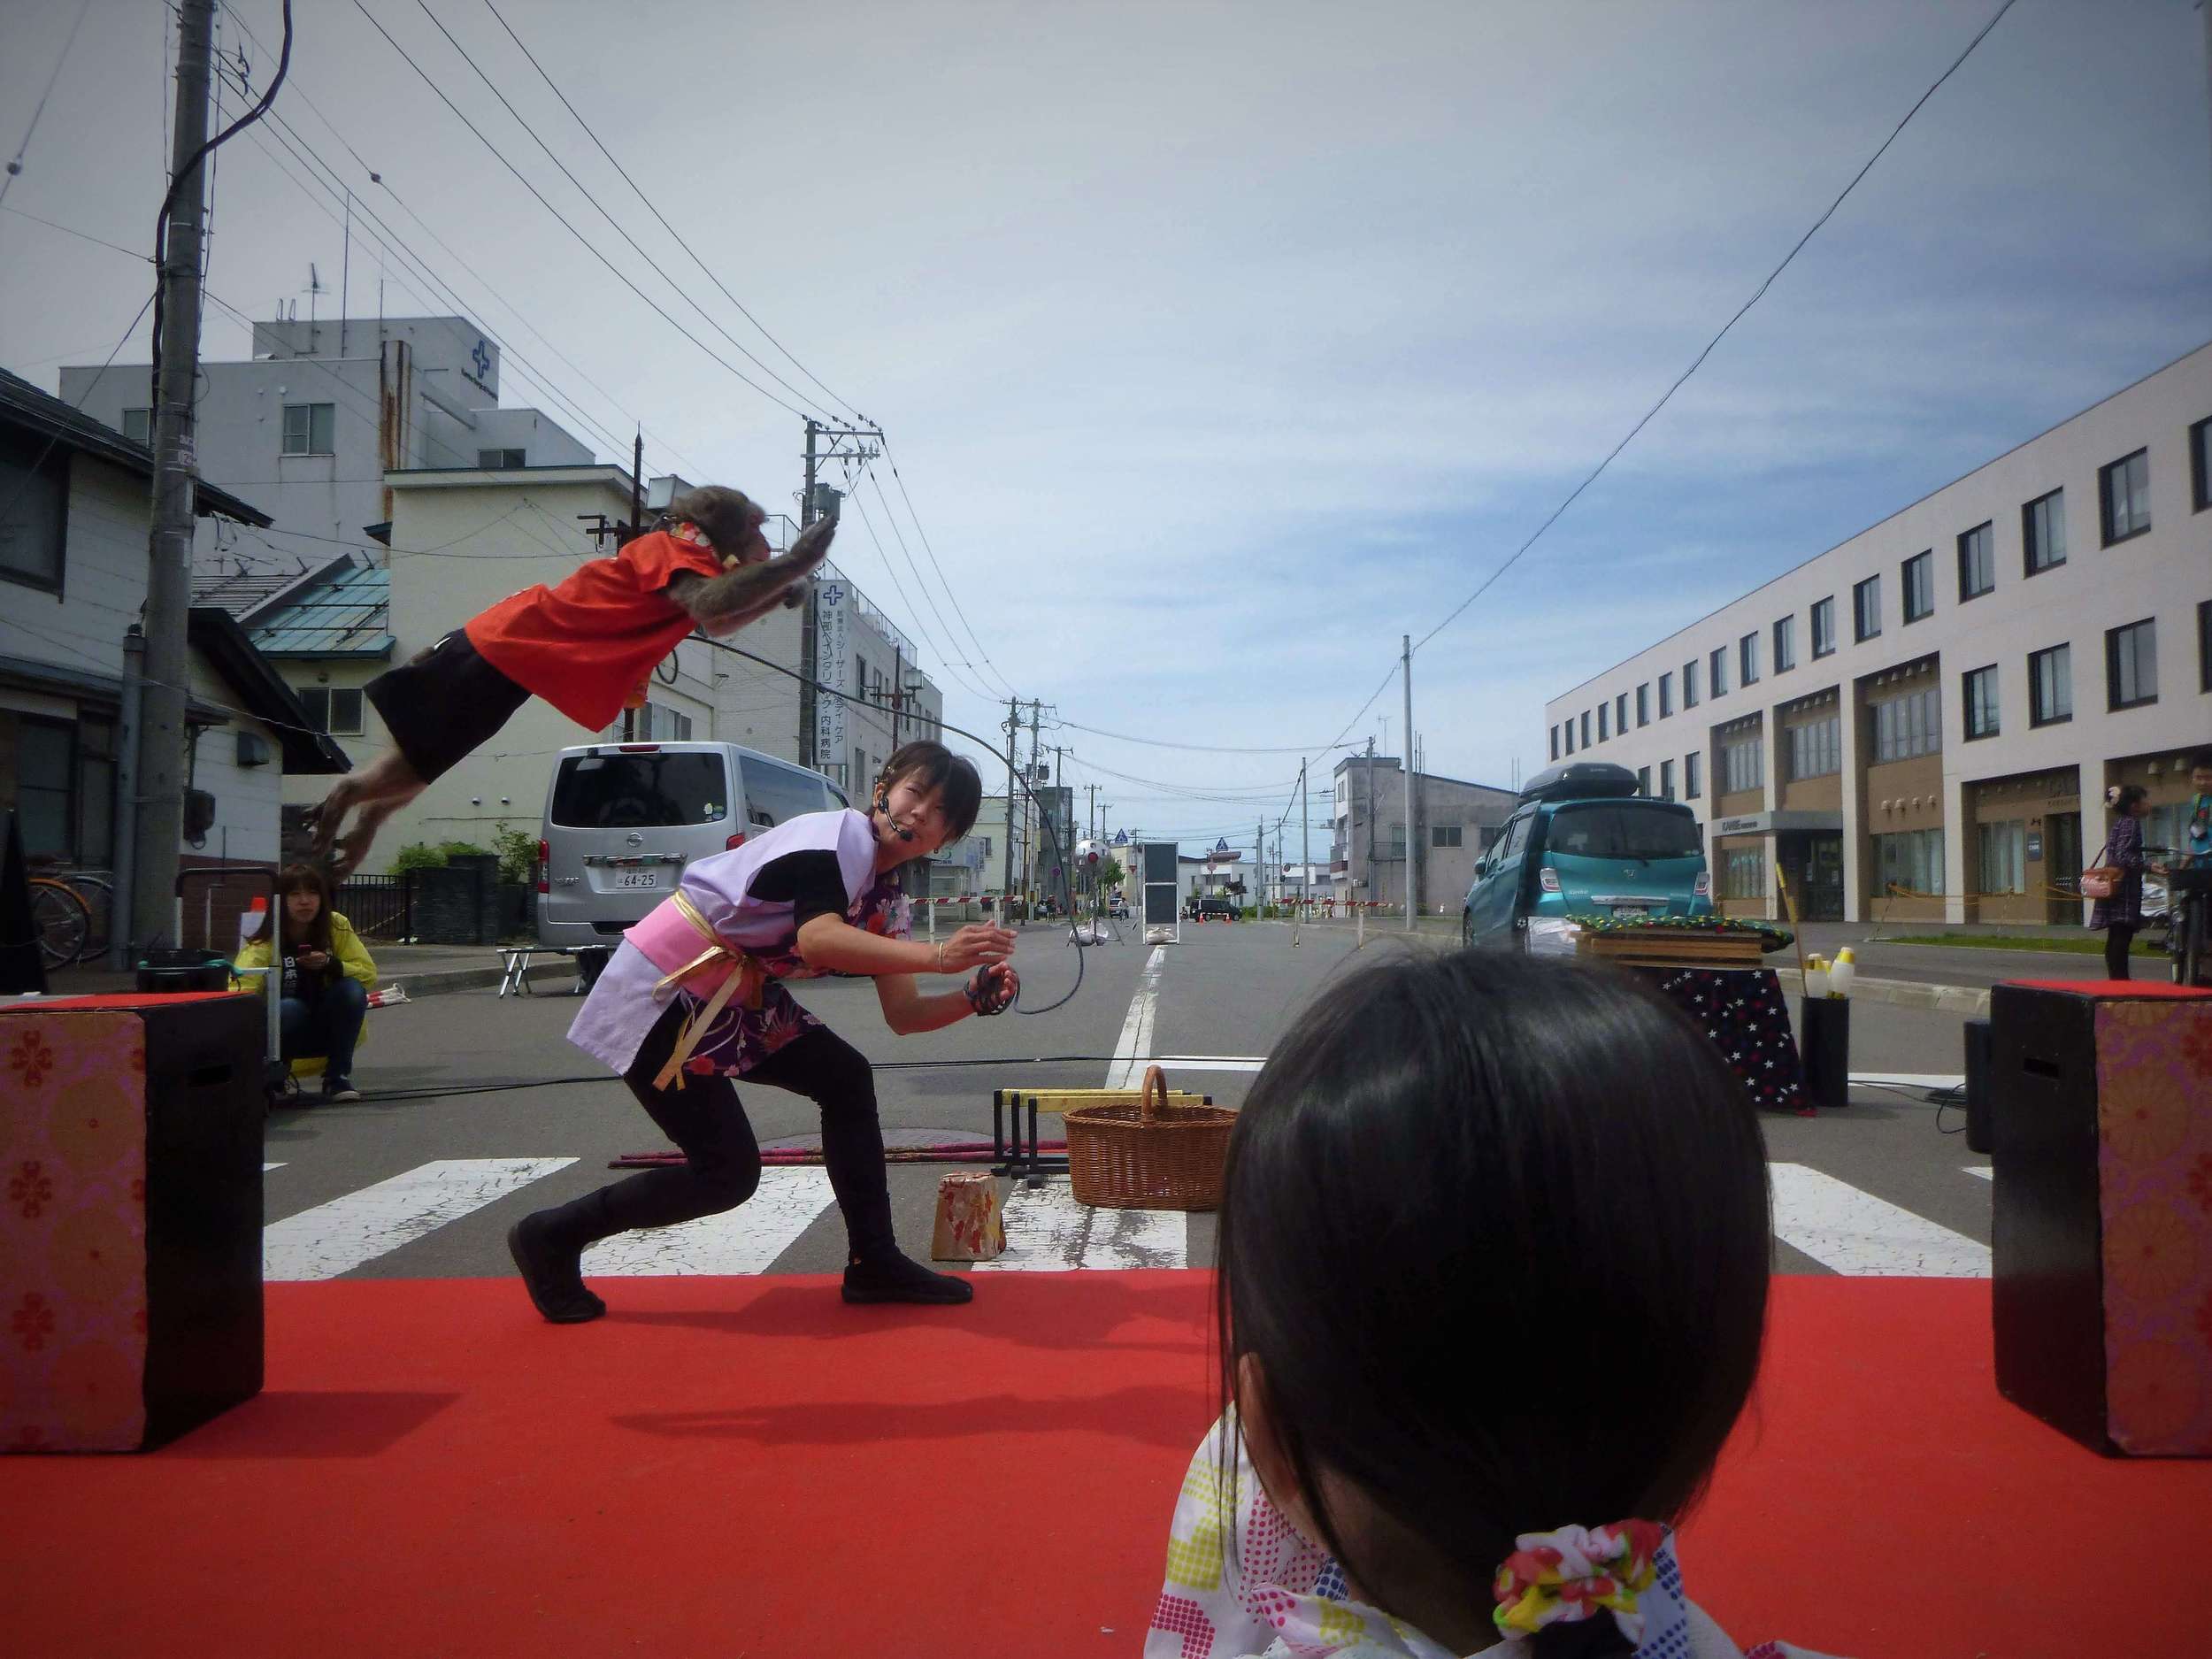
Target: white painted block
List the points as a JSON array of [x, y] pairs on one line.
[[1852, 1232], [1984, 1170], [1047, 1231], [337, 1237], [745, 1239]]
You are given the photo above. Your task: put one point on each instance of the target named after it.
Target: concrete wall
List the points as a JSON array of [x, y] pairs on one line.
[[2162, 574]]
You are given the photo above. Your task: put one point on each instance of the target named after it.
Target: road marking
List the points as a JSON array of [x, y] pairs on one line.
[[1047, 1231], [745, 1239], [337, 1237], [268, 1167], [1911, 1079], [1133, 1050], [1852, 1232], [1209, 1061], [1984, 1170]]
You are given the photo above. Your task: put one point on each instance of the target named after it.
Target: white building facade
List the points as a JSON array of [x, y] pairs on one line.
[[1921, 721]]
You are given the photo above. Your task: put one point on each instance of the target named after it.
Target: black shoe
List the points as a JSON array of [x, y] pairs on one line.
[[338, 1091], [895, 1279], [554, 1277]]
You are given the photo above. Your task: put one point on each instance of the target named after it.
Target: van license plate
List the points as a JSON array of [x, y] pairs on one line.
[[1630, 911], [638, 879]]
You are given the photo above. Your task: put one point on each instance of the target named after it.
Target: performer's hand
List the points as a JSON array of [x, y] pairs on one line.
[[994, 990], [977, 944]]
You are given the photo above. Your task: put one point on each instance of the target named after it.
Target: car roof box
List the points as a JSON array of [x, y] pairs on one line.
[[1581, 780]]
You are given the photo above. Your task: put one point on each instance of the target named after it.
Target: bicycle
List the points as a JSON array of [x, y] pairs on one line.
[[63, 922], [2188, 913]]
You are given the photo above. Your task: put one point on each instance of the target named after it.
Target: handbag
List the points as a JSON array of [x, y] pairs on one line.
[[2098, 881]]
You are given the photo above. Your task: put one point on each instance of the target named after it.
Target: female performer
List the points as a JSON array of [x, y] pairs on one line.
[[694, 997]]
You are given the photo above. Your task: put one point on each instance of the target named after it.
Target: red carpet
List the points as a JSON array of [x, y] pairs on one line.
[[735, 1467]]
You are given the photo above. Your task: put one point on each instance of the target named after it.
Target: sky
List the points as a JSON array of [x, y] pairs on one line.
[[1218, 347]]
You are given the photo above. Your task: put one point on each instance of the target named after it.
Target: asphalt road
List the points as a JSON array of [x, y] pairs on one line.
[[425, 1187]]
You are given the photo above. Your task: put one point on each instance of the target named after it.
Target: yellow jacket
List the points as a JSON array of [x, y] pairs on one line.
[[353, 957]]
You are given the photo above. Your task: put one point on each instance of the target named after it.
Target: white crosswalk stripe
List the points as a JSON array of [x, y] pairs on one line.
[[746, 1240], [337, 1237], [1843, 1228]]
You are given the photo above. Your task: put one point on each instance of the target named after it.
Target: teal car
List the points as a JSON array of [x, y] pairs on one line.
[[1583, 842]]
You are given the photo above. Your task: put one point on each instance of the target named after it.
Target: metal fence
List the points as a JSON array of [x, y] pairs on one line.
[[379, 907]]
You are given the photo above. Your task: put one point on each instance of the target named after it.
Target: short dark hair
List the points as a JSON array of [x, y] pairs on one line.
[[2201, 761], [934, 766], [2129, 795], [729, 517], [1496, 1229]]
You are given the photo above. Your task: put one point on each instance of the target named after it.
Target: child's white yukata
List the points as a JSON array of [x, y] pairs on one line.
[[1278, 1596]]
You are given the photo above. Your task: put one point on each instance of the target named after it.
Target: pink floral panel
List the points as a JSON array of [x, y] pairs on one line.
[[2154, 1178], [73, 1230]]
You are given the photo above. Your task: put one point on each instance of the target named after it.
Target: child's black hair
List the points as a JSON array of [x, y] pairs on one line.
[[2201, 761], [934, 766], [1495, 1229], [2127, 796]]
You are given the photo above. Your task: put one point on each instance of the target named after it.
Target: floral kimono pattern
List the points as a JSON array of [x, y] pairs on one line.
[[741, 1037]]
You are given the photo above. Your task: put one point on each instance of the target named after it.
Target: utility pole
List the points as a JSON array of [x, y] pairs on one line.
[[1013, 726], [1031, 840], [1305, 836], [1406, 646], [160, 819], [857, 447]]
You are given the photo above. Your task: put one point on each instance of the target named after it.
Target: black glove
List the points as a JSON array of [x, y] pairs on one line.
[[990, 991]]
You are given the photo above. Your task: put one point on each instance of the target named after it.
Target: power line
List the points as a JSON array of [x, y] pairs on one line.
[[868, 472], [1203, 749], [674, 234], [80, 235], [975, 639], [965, 685], [585, 191], [1699, 360], [568, 225], [15, 167]]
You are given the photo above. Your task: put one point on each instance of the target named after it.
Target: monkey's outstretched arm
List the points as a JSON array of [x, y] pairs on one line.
[[721, 604]]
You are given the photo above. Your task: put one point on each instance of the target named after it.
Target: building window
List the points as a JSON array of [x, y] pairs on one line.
[[2204, 645], [1569, 729], [1666, 780], [1643, 780], [2043, 531], [1643, 706], [1978, 562], [310, 428], [2131, 665], [1692, 776], [1689, 684], [656, 721], [1604, 713], [1445, 835], [1981, 702], [1909, 726], [1666, 696], [1816, 748], [1743, 764], [1785, 644], [1716, 672], [2003, 847], [2200, 464], [1586, 728], [498, 460], [1911, 862], [2051, 686], [1554, 743], [1824, 626], [33, 510], [138, 425], [2124, 490], [1743, 872], [1919, 587], [1747, 660], [1866, 608], [331, 709]]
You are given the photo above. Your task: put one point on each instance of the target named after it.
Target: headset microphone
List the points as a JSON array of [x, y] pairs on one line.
[[883, 805]]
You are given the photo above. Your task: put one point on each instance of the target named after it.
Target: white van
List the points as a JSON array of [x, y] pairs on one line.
[[623, 819]]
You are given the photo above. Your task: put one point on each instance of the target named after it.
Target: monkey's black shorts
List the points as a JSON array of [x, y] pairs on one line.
[[444, 703]]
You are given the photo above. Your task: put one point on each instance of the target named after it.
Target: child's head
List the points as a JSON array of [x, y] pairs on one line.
[[2201, 771], [304, 893], [1493, 1255], [932, 789], [2127, 799], [730, 518]]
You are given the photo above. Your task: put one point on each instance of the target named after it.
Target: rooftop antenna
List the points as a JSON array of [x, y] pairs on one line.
[[314, 287]]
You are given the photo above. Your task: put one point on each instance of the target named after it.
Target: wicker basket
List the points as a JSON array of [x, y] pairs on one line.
[[1150, 1155]]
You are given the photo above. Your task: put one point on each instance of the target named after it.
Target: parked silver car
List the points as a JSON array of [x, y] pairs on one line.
[[623, 819]]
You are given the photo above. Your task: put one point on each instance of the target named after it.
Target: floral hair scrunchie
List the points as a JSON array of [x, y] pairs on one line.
[[1574, 1574]]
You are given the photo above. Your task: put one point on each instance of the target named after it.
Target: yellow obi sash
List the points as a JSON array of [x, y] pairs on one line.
[[670, 937]]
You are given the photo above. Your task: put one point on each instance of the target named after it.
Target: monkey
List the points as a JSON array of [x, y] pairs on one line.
[[587, 645]]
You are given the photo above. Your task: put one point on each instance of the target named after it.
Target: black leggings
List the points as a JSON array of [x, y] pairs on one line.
[[722, 1159], [2118, 938]]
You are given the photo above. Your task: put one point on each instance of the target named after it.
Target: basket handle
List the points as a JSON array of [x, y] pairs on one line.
[[1154, 1084]]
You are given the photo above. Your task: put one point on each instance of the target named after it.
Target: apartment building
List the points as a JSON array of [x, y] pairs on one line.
[[1921, 722], [1454, 824]]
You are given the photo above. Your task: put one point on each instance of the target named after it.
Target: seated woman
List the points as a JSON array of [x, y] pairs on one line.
[[1492, 1286], [325, 979]]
